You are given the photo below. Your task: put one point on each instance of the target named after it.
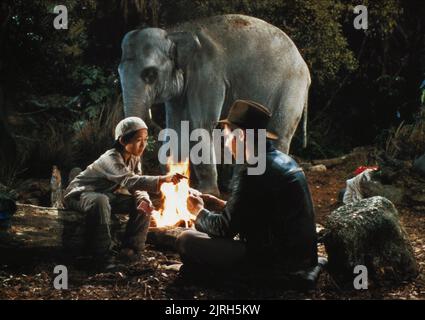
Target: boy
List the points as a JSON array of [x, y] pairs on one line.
[[114, 184]]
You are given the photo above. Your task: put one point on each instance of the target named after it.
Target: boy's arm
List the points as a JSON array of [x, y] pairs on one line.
[[133, 181], [114, 169]]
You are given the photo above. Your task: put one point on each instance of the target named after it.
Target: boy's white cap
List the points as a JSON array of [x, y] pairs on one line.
[[128, 125]]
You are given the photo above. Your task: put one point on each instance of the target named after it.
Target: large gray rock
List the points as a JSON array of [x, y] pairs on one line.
[[368, 232]]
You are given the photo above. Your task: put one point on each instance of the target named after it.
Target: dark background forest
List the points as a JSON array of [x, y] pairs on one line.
[[60, 91]]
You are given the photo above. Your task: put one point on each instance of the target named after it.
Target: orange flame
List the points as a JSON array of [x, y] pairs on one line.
[[174, 207]]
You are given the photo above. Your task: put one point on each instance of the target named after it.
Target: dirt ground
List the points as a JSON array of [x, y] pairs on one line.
[[31, 275]]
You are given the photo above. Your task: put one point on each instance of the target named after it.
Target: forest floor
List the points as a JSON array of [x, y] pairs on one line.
[[30, 276]]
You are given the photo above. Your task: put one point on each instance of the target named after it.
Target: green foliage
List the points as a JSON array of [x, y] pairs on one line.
[[151, 144], [407, 140], [389, 85], [96, 87], [41, 50], [9, 178]]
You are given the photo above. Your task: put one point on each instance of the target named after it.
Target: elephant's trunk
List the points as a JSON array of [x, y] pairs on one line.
[[137, 97], [136, 109], [139, 108], [137, 103]]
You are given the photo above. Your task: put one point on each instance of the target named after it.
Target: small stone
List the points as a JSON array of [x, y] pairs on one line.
[[318, 168]]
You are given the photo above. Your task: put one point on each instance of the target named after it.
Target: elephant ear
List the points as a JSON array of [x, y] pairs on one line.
[[185, 46]]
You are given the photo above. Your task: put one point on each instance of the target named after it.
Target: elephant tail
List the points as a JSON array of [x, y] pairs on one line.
[[305, 114]]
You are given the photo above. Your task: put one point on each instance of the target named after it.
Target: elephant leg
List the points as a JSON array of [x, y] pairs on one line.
[[287, 114], [206, 174], [204, 108], [175, 115]]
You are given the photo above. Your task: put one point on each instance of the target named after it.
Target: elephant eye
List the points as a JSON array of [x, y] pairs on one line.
[[149, 75]]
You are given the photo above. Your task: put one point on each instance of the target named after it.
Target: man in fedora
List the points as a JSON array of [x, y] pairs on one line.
[[268, 221]]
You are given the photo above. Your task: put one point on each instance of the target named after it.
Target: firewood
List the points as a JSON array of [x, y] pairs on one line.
[[329, 163], [164, 237]]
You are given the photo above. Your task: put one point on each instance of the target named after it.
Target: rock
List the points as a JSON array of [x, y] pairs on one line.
[[374, 188], [318, 168], [399, 181], [419, 165], [368, 232]]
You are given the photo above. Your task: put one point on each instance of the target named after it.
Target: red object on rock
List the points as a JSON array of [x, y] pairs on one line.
[[363, 168]]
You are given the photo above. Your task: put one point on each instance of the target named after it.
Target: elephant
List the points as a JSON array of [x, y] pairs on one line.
[[198, 69]]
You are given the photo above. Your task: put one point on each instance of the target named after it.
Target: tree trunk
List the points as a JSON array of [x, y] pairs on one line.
[[43, 227]]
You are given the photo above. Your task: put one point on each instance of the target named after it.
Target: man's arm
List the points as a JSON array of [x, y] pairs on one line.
[[225, 223], [214, 203]]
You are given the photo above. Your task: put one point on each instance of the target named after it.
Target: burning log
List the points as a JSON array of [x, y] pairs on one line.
[[174, 205], [164, 237]]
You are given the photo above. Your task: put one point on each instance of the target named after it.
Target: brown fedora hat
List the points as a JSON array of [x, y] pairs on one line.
[[246, 114]]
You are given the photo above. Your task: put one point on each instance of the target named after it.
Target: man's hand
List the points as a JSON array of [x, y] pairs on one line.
[[213, 201], [195, 204], [172, 177], [195, 192]]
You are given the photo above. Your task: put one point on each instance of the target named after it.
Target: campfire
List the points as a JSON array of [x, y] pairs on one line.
[[174, 203]]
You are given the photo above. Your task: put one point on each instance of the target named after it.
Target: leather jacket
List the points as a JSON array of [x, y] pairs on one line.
[[272, 213]]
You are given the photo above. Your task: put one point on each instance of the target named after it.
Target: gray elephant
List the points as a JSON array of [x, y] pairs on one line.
[[197, 69]]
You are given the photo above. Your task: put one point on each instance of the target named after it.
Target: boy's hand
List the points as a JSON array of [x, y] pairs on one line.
[[145, 206], [173, 177]]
